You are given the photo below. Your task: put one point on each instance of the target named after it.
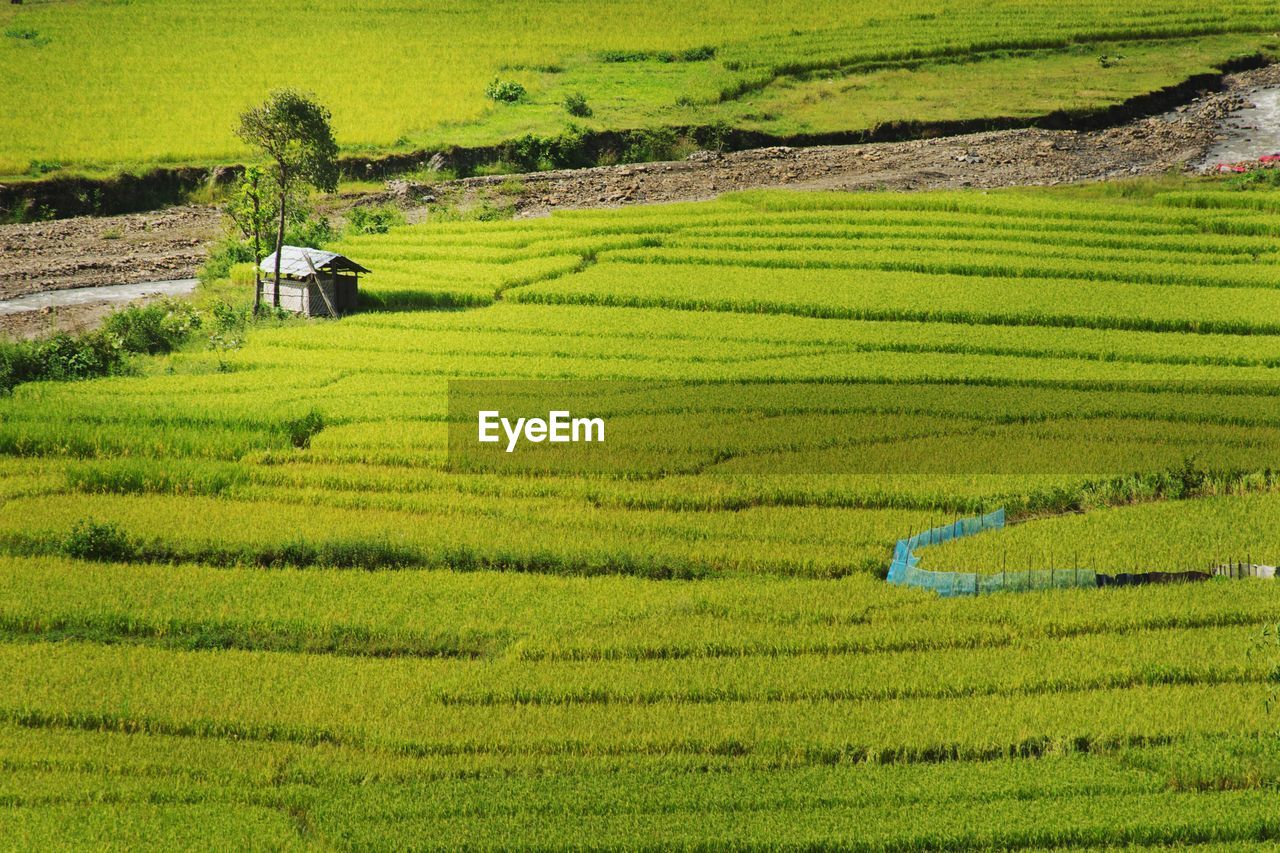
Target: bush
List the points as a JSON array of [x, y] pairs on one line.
[[313, 232], [623, 55], [645, 146], [222, 257], [43, 167], [229, 325], [506, 91], [150, 329], [536, 153], [715, 136], [374, 220], [60, 357], [693, 54], [698, 54], [228, 318], [576, 105], [157, 328], [63, 357], [301, 430], [89, 540], [1255, 179]]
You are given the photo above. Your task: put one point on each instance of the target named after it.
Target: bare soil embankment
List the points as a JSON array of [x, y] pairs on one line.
[[1023, 157]]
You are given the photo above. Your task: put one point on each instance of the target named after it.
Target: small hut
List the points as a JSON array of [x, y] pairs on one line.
[[313, 283]]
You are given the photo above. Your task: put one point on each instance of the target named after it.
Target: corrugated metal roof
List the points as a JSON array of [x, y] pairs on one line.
[[294, 261]]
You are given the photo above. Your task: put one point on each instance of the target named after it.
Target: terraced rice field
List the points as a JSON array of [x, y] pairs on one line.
[[115, 79], [336, 639]]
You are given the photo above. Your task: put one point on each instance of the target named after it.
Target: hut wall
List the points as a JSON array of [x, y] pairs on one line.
[[348, 297], [315, 304], [305, 297], [293, 295]]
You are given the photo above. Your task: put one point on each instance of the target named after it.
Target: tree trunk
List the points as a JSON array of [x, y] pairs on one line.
[[275, 297], [257, 251]]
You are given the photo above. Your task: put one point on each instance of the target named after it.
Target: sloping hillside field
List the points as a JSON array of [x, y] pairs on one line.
[[261, 595], [109, 84]]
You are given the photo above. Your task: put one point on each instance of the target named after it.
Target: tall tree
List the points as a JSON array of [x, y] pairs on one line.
[[293, 130]]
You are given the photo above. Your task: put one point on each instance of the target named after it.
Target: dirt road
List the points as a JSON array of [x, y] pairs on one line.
[[170, 243]]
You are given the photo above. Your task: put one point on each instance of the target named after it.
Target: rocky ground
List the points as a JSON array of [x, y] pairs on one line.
[[89, 251], [1177, 140], [170, 243], [95, 251]]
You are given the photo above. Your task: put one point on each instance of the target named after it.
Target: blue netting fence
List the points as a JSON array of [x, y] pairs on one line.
[[904, 571]]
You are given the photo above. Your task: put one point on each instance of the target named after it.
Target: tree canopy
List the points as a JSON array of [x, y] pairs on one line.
[[292, 128]]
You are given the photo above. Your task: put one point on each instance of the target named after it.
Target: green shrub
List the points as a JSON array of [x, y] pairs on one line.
[[43, 167], [505, 91], [374, 220], [89, 540], [698, 54], [489, 211], [222, 257], [645, 146], [301, 429], [575, 104], [715, 136], [156, 328], [229, 318], [530, 153], [693, 54], [1255, 179], [314, 232], [229, 325], [61, 357], [623, 55]]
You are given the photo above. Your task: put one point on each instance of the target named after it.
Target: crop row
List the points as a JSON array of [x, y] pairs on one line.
[[447, 529], [1200, 656], [1001, 262], [100, 787], [1192, 535], [886, 295], [280, 696], [523, 617], [642, 333]]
